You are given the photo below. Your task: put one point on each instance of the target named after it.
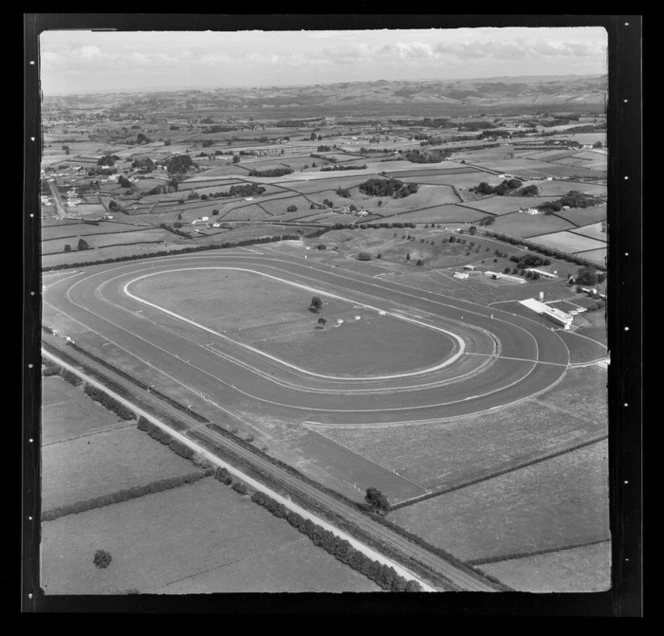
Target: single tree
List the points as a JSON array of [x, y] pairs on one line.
[[376, 500], [316, 304], [321, 322], [67, 248], [102, 559], [83, 245]]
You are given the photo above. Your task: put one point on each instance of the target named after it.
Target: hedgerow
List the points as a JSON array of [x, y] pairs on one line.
[[195, 248], [71, 377], [314, 505], [384, 575], [544, 250], [108, 402], [122, 495]]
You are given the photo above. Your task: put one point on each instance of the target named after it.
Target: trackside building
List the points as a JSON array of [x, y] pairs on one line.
[[555, 315]]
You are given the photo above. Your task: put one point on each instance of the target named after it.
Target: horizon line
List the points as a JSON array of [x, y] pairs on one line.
[[180, 88]]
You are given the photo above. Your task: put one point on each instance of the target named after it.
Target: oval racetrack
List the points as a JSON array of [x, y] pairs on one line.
[[496, 359]]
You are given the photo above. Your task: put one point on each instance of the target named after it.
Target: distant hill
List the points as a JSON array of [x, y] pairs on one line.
[[514, 90], [423, 96]]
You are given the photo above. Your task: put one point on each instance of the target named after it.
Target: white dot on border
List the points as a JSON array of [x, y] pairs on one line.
[[32, 62]]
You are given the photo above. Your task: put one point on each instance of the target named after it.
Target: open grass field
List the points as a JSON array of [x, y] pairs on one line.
[[373, 345], [552, 504], [87, 209], [587, 138], [466, 179], [568, 242], [110, 460], [328, 181], [526, 225], [582, 349], [593, 231], [583, 569], [224, 300], [582, 393], [111, 239], [48, 212], [55, 232], [426, 196], [278, 206], [439, 214], [596, 256], [560, 170], [224, 171], [584, 216], [71, 258], [199, 538], [550, 155], [67, 412], [559, 188], [454, 452], [246, 212]]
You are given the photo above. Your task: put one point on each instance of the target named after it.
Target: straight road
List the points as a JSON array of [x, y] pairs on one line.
[[461, 576]]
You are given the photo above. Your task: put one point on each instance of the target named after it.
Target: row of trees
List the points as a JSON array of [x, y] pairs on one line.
[[274, 172], [547, 251], [123, 495], [384, 575], [338, 167], [82, 246], [108, 402]]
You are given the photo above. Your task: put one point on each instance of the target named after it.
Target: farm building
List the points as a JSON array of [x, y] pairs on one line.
[[461, 275], [470, 268], [513, 279], [553, 314], [542, 273]]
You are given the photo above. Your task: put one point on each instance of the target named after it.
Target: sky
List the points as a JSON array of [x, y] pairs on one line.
[[86, 62]]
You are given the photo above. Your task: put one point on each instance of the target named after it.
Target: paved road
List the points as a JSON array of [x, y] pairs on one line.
[[460, 576], [530, 357]]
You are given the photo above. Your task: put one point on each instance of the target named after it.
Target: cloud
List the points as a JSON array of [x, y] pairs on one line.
[[89, 52], [518, 49], [415, 50]]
